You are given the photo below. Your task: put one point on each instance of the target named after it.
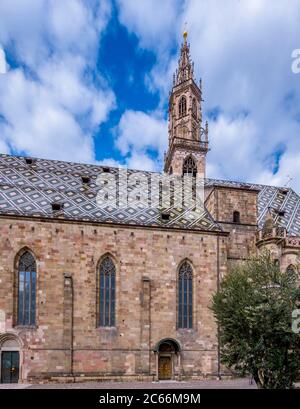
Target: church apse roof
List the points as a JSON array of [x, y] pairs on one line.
[[30, 189]]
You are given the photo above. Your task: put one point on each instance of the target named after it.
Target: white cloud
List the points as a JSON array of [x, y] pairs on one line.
[[141, 161], [135, 160], [38, 124], [242, 50], [150, 20], [2, 61], [140, 131], [110, 162], [4, 148], [237, 136], [49, 105], [137, 134]]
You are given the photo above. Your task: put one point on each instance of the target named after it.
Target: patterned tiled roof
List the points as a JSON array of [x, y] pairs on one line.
[[30, 190], [284, 203]]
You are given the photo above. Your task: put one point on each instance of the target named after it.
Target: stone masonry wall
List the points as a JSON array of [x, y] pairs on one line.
[[221, 203], [146, 289], [181, 154]]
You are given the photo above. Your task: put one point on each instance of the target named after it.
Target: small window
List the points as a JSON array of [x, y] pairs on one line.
[[57, 207], [106, 169], [85, 179], [236, 217], [29, 161], [165, 216]]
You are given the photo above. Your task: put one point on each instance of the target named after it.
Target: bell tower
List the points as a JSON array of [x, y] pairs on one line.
[[188, 140]]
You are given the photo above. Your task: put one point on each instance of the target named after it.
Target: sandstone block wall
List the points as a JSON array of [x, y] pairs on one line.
[[222, 203], [146, 262]]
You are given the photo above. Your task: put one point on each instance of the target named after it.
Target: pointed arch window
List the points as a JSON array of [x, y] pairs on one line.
[[194, 132], [185, 296], [107, 294], [182, 106], [194, 108], [26, 289], [189, 166], [182, 131]]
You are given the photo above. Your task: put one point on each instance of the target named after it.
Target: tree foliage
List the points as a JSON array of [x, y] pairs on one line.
[[253, 309]]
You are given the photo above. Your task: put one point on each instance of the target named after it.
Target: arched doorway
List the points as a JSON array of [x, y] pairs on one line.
[[9, 359], [167, 359]]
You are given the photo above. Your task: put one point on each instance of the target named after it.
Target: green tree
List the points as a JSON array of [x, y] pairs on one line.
[[253, 309]]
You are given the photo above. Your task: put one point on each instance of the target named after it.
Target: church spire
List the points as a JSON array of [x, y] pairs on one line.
[[185, 69], [188, 140]]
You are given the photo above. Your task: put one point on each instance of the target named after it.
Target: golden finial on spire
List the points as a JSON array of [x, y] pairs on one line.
[[185, 33]]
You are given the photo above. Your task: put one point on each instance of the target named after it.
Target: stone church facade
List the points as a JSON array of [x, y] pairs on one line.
[[89, 292]]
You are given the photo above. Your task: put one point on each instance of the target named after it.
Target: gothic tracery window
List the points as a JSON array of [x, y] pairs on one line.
[[26, 289], [194, 133], [107, 293], [189, 166], [185, 296], [194, 108], [182, 106], [182, 131]]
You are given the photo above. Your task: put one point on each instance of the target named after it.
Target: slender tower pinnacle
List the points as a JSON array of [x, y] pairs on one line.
[[188, 140]]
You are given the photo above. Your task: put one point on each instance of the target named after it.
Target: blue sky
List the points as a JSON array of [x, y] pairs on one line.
[[88, 81], [124, 66]]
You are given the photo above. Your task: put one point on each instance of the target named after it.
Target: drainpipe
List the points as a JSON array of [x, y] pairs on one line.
[[218, 283], [218, 289], [150, 328], [69, 318], [72, 330]]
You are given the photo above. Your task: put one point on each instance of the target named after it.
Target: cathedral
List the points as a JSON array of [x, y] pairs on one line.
[[111, 292]]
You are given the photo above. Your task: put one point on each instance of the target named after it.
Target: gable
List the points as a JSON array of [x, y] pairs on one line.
[[284, 202]]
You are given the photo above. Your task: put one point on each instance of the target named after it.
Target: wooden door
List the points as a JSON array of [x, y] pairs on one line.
[[165, 368]]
